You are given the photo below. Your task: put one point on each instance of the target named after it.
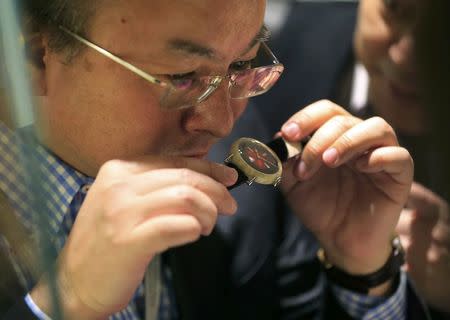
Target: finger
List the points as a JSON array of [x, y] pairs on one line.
[[361, 138], [309, 119], [441, 234], [405, 241], [426, 202], [218, 172], [167, 231], [395, 161], [158, 179], [182, 200], [438, 254], [405, 221], [312, 155]]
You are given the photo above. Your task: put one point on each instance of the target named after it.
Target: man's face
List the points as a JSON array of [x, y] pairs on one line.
[[95, 110], [384, 43]]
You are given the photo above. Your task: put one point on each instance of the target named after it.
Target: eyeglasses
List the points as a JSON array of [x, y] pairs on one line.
[[189, 91]]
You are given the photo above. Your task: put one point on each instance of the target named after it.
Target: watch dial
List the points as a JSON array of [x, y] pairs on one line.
[[258, 157]]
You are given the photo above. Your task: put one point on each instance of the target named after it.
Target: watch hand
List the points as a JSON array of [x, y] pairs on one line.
[[263, 158], [269, 162]]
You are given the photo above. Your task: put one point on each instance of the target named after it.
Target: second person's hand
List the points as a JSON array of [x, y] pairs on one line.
[[350, 184]]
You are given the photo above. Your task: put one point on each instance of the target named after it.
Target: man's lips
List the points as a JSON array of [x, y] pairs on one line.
[[403, 91], [196, 155]]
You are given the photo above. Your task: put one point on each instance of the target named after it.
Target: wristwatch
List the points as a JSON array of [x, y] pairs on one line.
[[254, 162], [259, 162], [363, 283]]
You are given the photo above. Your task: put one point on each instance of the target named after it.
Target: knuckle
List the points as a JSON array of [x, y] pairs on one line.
[[187, 176], [406, 158], [436, 257], [314, 151], [111, 167], [384, 129], [341, 122], [333, 107], [115, 200], [345, 142], [186, 196], [194, 228], [325, 102], [305, 117]]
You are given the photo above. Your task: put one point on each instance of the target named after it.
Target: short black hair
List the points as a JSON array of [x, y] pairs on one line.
[[48, 15]]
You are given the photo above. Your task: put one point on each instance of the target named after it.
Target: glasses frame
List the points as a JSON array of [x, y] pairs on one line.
[[214, 81]]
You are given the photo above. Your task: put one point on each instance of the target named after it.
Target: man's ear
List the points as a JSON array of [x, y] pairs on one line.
[[37, 55]]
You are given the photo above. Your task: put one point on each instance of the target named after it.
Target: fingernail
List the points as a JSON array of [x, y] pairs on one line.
[[302, 170], [291, 129], [330, 156]]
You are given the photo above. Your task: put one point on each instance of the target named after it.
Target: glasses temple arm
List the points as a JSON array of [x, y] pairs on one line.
[[115, 58]]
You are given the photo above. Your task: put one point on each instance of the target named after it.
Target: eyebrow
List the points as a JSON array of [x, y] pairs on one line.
[[192, 48]]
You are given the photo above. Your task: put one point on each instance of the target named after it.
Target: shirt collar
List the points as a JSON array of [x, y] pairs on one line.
[[59, 182]]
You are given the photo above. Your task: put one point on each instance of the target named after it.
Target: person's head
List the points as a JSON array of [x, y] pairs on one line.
[[385, 44], [93, 109]]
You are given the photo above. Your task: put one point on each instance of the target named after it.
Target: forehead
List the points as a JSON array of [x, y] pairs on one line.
[[147, 25]]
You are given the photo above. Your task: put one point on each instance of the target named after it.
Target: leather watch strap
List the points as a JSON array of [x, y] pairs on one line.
[[363, 283]]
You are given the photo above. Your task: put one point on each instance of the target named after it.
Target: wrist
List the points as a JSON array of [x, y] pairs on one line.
[[375, 282], [383, 289], [70, 305], [362, 264]]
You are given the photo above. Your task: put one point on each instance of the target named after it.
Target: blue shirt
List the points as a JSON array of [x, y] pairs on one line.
[[63, 189]]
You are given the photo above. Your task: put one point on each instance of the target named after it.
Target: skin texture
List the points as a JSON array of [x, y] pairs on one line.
[[384, 43], [152, 189]]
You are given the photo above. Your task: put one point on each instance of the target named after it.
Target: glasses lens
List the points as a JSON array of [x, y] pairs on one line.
[[253, 82], [183, 95], [189, 91]]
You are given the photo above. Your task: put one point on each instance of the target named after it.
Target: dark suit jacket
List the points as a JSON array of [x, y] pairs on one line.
[[260, 263], [315, 45]]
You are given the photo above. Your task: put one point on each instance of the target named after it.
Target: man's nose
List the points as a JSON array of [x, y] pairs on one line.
[[215, 115], [402, 52]]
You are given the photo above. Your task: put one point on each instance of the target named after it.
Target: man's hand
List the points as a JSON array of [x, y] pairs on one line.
[[424, 229], [350, 184], [134, 210]]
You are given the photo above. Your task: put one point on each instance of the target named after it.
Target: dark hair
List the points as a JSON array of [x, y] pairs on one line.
[[47, 15]]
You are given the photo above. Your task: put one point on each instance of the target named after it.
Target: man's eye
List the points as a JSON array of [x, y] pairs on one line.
[[241, 65], [182, 80]]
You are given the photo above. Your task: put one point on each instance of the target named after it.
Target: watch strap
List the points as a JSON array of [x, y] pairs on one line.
[[363, 283]]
